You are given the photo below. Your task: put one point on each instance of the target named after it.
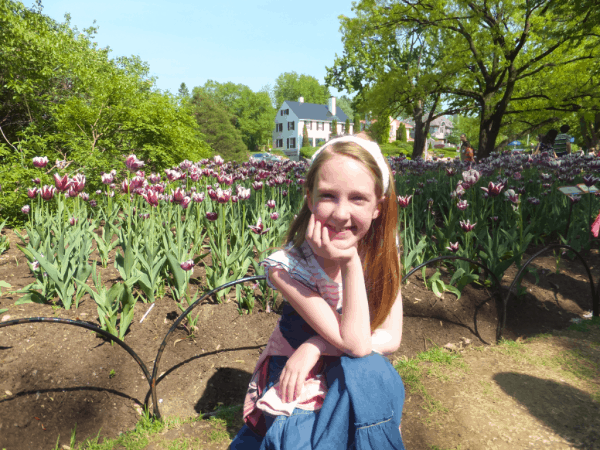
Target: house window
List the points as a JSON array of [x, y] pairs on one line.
[[284, 112], [309, 125], [343, 128], [279, 143], [291, 125], [278, 127], [320, 126], [291, 142]]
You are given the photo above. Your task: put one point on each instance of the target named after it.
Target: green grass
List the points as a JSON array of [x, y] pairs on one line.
[[223, 426], [412, 372], [585, 326]]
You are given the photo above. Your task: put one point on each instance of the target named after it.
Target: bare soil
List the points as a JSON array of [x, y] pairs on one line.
[[53, 376]]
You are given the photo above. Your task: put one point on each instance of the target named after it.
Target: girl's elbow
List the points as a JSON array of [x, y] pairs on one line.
[[360, 351]]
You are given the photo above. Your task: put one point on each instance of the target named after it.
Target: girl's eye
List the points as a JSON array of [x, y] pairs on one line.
[[326, 196]]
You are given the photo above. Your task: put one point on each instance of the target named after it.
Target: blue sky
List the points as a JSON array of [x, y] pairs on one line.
[[243, 41]]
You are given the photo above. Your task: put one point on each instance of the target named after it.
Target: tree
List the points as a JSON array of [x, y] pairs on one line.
[[63, 97], [401, 133], [291, 86], [380, 128], [214, 123], [357, 119], [393, 71], [305, 140], [252, 112], [183, 92], [493, 47], [333, 128], [345, 104], [347, 125]]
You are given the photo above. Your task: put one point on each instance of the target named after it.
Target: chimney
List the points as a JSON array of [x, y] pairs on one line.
[[331, 105], [301, 99]]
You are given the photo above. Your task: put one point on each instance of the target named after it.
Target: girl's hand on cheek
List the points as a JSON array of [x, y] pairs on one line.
[[296, 370], [317, 236]]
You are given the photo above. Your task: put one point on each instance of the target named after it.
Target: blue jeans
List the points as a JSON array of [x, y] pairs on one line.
[[362, 411]]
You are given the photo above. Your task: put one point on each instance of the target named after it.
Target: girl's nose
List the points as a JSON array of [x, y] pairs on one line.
[[341, 212]]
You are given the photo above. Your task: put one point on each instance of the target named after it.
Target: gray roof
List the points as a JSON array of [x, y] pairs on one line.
[[313, 111]]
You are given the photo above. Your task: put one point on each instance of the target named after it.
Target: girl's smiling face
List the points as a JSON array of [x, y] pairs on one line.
[[344, 200]]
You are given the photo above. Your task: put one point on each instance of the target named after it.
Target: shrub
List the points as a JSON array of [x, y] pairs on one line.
[[307, 152]]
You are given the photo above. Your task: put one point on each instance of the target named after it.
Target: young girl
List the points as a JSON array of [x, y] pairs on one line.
[[321, 382]]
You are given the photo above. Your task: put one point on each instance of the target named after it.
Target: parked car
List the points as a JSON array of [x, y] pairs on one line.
[[265, 157]]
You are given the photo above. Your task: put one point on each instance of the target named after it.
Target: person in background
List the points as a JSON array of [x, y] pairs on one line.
[[562, 143], [547, 142], [467, 153]]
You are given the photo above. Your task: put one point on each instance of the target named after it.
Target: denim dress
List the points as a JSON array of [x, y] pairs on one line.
[[364, 396]]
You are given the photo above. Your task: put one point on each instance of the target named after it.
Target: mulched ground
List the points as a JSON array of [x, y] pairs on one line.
[[53, 376]]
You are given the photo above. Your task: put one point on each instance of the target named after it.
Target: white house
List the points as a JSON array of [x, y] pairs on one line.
[[290, 120]]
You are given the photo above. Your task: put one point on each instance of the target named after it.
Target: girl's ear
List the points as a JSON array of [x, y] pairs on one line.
[[378, 209], [309, 201]]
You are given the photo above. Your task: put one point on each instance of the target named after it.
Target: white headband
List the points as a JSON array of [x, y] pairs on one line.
[[370, 147]]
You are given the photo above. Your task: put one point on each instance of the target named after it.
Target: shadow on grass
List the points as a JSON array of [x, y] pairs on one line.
[[570, 412]]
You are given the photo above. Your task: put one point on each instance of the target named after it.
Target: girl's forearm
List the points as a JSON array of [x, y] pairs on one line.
[[355, 327]]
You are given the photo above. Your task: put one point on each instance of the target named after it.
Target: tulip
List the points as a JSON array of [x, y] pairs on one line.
[[466, 225], [73, 221], [274, 216], [512, 196], [32, 192], [35, 265], [257, 185], [533, 201], [450, 171], [36, 180], [596, 226], [575, 198], [212, 216], [144, 216], [84, 196], [178, 195], [271, 204], [243, 193], [62, 184], [223, 196], [154, 178], [453, 247], [187, 265], [125, 187], [462, 205], [185, 202], [108, 178], [590, 180], [258, 228], [93, 203], [235, 199], [151, 197], [198, 197], [47, 192], [404, 201], [185, 164], [133, 163], [40, 161], [25, 209], [493, 190], [218, 160], [78, 182]]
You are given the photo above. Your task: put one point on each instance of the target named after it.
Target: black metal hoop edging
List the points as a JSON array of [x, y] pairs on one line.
[[88, 326], [161, 349], [595, 299], [477, 263]]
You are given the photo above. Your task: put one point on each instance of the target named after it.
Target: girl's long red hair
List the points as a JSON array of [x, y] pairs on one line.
[[379, 248]]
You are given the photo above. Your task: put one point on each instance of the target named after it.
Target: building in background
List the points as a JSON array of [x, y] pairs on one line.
[[291, 118]]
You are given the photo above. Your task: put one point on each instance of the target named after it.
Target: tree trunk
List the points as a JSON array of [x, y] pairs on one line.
[[490, 122], [589, 132], [421, 129]]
